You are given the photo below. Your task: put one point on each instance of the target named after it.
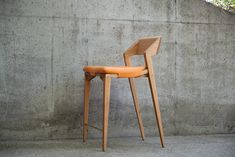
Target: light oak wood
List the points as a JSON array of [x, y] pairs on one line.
[[86, 105], [106, 98], [135, 98], [147, 47], [153, 89], [137, 108]]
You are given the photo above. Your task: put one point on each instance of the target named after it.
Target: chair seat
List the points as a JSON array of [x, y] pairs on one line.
[[121, 71]]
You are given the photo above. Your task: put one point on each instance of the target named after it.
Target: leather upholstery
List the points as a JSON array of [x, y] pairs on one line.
[[121, 71]]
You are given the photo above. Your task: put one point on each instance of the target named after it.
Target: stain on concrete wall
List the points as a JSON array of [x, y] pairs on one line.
[[44, 45]]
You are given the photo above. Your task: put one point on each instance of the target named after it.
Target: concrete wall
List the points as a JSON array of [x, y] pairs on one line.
[[44, 45]]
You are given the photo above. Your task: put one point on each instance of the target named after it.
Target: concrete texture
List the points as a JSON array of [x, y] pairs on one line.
[[178, 146], [44, 45]]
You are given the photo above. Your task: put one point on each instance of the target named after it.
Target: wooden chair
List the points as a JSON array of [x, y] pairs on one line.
[[147, 47]]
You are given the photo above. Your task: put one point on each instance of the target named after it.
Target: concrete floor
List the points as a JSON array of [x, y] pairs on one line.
[[176, 146]]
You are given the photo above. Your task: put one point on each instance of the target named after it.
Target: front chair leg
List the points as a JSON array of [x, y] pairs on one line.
[[86, 105], [153, 88], [106, 98]]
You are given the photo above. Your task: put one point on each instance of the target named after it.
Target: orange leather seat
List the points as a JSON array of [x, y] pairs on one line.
[[121, 71]]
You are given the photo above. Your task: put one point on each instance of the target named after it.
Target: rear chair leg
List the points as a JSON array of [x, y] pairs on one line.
[[153, 88], [137, 107]]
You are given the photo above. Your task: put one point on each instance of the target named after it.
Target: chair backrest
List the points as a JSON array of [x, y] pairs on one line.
[[145, 43], [147, 46]]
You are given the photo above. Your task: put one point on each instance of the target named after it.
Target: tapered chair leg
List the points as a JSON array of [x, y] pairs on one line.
[[86, 106], [137, 108], [153, 88], [157, 111], [106, 98]]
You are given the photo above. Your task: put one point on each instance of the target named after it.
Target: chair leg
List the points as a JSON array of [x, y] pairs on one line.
[[106, 98], [153, 88], [137, 108], [86, 106]]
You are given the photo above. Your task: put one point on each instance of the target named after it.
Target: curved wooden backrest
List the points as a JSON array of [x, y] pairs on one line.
[[147, 46]]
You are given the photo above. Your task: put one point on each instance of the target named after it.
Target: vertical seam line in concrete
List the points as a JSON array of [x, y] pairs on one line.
[[175, 45], [4, 83], [52, 74], [4, 79], [3, 72]]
